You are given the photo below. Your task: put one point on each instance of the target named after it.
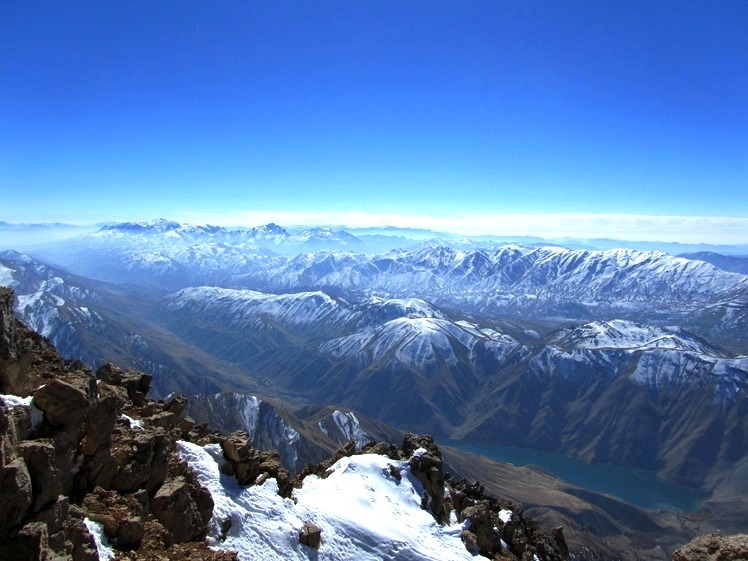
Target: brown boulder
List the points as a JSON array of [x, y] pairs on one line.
[[95, 509], [142, 461], [31, 543], [102, 421], [15, 425], [183, 509], [252, 466], [237, 448], [164, 419], [81, 541], [311, 535], [64, 404], [136, 383], [130, 533], [176, 404]]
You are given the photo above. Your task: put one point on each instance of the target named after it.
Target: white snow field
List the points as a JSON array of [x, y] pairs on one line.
[[364, 511]]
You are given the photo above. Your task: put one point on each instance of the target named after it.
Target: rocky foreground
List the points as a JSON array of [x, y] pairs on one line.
[[89, 468], [714, 547]]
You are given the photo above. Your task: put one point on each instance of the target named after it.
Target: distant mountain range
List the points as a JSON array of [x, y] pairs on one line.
[[375, 239], [619, 355], [736, 264]]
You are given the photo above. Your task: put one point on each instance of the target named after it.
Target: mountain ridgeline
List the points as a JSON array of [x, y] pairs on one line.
[[622, 356]]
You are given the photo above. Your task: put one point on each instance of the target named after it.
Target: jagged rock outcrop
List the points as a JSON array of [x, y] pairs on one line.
[[80, 446], [427, 467], [250, 465], [714, 547], [498, 528]]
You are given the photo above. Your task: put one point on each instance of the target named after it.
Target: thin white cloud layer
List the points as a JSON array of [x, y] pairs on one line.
[[632, 227]]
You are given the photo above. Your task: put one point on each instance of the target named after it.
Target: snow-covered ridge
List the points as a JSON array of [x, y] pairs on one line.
[[415, 331], [249, 308], [46, 299], [515, 279], [512, 279], [415, 341], [364, 512], [622, 334], [160, 233]]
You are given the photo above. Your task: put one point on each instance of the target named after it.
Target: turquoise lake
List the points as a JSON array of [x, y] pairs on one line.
[[635, 486]]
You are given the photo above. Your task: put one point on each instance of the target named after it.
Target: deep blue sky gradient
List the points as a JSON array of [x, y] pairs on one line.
[[119, 110]]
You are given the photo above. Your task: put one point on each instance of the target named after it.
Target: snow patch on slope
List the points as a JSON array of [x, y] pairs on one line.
[[623, 334], [363, 511], [6, 276], [350, 427]]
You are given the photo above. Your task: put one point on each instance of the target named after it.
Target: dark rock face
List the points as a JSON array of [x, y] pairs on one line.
[[41, 460], [251, 465], [182, 509], [15, 482], [491, 536], [427, 467], [714, 547]]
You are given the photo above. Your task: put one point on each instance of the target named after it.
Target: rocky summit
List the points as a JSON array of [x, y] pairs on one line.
[[86, 457]]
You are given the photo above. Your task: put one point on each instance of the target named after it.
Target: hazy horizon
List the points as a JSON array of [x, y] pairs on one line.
[[515, 118], [18, 235]]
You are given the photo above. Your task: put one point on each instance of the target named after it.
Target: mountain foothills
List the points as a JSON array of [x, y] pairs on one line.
[[309, 339]]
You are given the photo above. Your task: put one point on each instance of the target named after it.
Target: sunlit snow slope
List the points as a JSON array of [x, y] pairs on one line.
[[364, 511]]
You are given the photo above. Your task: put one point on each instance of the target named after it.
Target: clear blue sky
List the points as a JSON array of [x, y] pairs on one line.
[[130, 110]]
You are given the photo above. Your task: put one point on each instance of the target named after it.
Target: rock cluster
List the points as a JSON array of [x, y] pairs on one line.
[[90, 447], [512, 537], [486, 533], [252, 466], [714, 547]]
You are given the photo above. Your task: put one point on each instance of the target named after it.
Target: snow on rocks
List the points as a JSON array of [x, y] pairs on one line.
[[103, 549], [134, 423], [363, 510], [13, 401]]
